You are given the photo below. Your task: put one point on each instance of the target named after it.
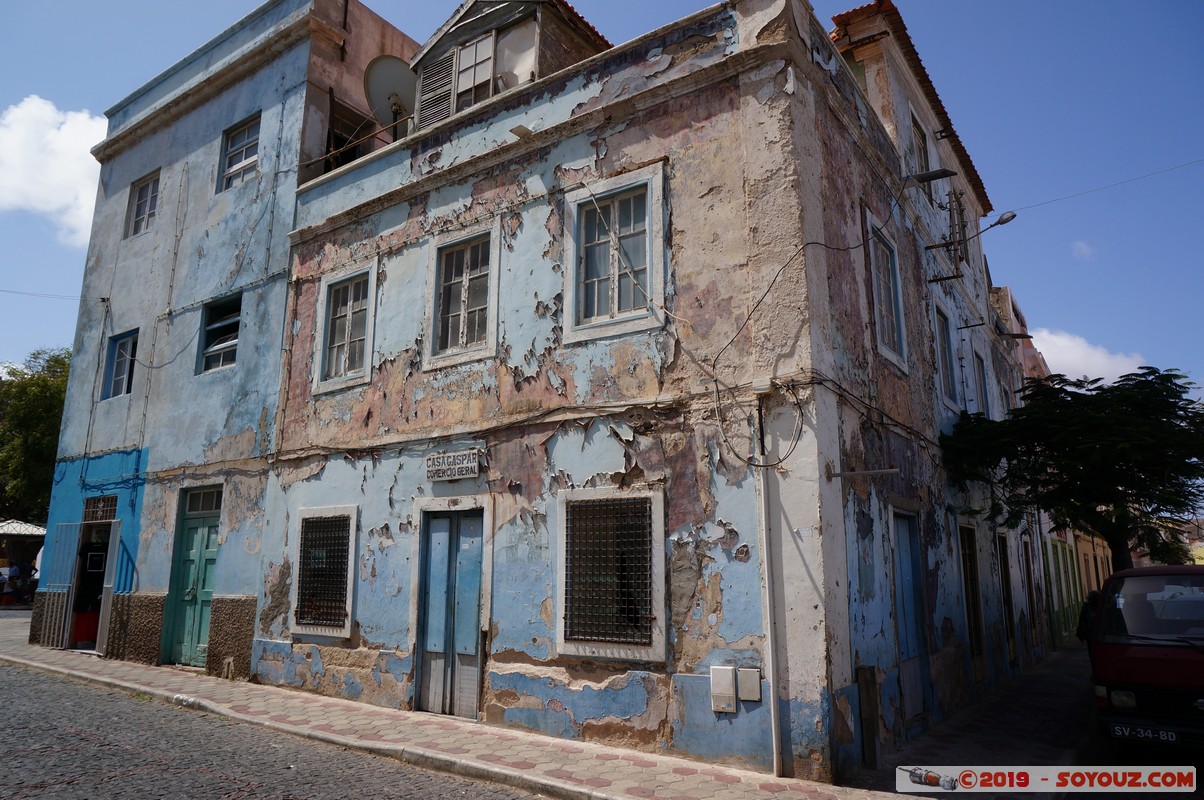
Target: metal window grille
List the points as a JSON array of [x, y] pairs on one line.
[[322, 571], [608, 571], [99, 509]]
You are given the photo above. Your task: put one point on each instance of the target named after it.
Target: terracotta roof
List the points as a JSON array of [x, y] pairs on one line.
[[574, 15], [898, 31]]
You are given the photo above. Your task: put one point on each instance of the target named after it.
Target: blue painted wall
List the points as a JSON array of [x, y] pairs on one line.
[[77, 479]]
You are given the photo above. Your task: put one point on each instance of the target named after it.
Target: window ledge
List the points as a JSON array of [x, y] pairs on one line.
[[611, 650], [451, 358], [332, 631], [339, 384], [894, 358], [619, 326]]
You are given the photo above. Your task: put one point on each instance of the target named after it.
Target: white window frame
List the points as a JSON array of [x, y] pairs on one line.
[[209, 324], [921, 153], [946, 355], [118, 346], [138, 222], [352, 272], [652, 179], [876, 234], [980, 382], [231, 175], [653, 652], [440, 244], [487, 42], [352, 513]]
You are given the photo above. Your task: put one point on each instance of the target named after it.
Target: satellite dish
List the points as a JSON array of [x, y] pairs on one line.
[[392, 89]]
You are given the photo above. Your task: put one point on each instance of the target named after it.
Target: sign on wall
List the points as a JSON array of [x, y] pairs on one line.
[[452, 466]]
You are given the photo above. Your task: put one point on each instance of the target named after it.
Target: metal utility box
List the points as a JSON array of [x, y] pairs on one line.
[[723, 689], [748, 684]]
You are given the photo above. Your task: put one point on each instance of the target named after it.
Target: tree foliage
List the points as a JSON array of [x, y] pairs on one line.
[[31, 408], [1123, 460]]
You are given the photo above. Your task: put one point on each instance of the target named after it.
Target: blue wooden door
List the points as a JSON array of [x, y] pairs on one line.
[[450, 614], [909, 615]]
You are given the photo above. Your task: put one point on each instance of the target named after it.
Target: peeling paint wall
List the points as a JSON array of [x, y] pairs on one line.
[[753, 398], [711, 545], [182, 427]]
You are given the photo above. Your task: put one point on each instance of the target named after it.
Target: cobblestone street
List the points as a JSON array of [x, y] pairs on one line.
[[67, 740]]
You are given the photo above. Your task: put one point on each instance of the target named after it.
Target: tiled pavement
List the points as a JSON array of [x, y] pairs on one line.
[[536, 763]]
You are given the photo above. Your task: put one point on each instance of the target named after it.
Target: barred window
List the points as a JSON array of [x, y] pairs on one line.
[[608, 571], [323, 571], [613, 562], [99, 509]]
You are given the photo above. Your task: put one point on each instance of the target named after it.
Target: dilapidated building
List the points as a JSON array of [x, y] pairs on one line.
[[598, 393], [157, 518]]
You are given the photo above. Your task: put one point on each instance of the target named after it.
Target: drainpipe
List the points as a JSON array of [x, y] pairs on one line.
[[771, 647]]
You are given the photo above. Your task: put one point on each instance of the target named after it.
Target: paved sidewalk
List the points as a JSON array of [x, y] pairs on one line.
[[536, 763]]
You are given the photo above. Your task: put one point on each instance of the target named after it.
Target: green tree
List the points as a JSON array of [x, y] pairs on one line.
[[1123, 460], [31, 408]]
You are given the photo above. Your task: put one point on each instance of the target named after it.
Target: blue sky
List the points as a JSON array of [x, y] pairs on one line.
[[1052, 99]]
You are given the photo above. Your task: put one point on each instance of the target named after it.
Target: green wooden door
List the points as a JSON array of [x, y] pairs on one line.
[[196, 555]]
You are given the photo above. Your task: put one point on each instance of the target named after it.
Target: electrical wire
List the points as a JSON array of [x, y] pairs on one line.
[[43, 294], [1110, 185]]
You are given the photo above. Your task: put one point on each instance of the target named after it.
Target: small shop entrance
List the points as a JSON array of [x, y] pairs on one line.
[[83, 564]]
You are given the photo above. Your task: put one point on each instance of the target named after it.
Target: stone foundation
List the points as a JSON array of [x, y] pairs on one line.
[[231, 632], [136, 628], [35, 621]]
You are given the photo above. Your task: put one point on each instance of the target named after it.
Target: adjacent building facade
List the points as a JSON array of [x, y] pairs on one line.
[[597, 393]]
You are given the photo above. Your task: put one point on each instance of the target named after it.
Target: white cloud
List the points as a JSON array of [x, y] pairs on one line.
[[1082, 251], [45, 166], [1076, 357]]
